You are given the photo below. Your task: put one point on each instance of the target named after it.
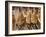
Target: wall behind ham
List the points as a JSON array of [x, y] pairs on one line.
[[2, 19]]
